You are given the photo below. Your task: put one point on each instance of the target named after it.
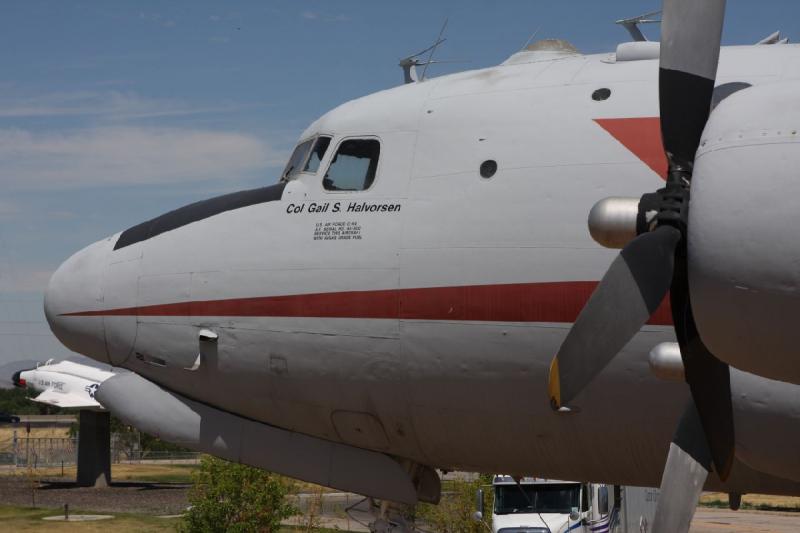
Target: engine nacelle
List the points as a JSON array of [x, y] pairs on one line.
[[743, 245]]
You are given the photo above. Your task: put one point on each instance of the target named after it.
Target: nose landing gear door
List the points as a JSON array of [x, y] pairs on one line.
[[164, 335]]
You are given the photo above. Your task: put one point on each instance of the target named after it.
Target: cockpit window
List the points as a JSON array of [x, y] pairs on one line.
[[295, 163], [354, 165], [318, 152]]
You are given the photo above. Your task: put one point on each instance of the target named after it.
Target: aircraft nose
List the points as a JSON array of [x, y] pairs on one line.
[[74, 297]]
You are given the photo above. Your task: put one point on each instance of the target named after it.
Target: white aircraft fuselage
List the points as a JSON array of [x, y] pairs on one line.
[[419, 317], [64, 384]]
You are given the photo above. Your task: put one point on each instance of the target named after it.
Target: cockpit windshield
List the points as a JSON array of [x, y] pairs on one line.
[[295, 163], [305, 158], [320, 147], [537, 498]]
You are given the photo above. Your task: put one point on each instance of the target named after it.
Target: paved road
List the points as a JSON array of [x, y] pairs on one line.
[[722, 520]]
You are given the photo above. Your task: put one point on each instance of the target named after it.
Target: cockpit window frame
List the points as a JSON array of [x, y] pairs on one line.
[[332, 153], [313, 138], [325, 156]]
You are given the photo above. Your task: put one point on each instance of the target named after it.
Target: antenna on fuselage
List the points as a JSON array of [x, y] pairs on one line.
[[632, 24], [774, 38], [439, 40], [409, 64], [531, 38]]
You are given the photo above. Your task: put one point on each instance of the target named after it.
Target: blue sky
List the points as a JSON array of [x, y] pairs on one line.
[[114, 112]]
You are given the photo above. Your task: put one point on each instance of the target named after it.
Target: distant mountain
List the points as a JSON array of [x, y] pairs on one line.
[[7, 371]]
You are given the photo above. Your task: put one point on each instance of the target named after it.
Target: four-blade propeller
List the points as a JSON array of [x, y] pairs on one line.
[[655, 262]]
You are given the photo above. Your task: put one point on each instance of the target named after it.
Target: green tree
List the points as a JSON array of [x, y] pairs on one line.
[[236, 498], [454, 513], [17, 401]]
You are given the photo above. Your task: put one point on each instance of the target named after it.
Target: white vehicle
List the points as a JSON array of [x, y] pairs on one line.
[[536, 505], [64, 383]]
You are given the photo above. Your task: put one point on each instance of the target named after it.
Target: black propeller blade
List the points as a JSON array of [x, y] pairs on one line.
[[630, 291], [656, 261]]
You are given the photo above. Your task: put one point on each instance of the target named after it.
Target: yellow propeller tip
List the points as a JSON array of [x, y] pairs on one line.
[[554, 385]]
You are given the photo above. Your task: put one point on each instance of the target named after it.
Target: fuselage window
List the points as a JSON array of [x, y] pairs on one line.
[[317, 153], [295, 163], [354, 165]]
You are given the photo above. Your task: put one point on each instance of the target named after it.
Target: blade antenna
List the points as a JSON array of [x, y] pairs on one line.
[[632, 24], [439, 41]]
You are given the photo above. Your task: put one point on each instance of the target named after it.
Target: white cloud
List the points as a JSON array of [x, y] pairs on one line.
[[109, 105], [316, 15], [106, 156], [157, 18]]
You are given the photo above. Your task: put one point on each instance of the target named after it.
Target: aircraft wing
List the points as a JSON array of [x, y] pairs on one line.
[[66, 400]]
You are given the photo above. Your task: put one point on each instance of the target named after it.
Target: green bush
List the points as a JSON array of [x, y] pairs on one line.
[[454, 513], [237, 498]]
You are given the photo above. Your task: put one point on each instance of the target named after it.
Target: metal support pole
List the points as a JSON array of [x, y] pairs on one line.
[[94, 449]]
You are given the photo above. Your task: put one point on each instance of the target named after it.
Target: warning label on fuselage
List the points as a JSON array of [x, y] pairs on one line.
[[342, 230]]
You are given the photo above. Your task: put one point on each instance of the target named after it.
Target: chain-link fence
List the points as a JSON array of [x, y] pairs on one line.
[[40, 451], [36, 452]]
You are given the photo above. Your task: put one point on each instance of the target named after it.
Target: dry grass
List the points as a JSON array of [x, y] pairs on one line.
[[7, 434], [179, 473], [765, 502]]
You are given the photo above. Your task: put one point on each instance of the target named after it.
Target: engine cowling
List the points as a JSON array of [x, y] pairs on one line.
[[743, 245]]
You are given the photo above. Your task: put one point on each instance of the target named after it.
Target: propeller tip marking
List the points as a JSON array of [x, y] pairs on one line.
[[554, 385]]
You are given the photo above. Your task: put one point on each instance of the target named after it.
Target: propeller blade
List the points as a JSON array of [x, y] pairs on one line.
[[630, 291], [691, 31], [708, 377], [685, 473]]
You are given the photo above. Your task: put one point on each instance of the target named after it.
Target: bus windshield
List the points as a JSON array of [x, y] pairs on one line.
[[537, 498]]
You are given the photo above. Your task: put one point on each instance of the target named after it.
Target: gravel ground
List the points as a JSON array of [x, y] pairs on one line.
[[122, 497]]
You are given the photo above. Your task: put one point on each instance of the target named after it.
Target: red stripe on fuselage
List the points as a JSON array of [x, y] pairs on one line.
[[516, 302]]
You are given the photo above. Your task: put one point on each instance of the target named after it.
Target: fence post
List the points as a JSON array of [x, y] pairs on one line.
[[28, 443]]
